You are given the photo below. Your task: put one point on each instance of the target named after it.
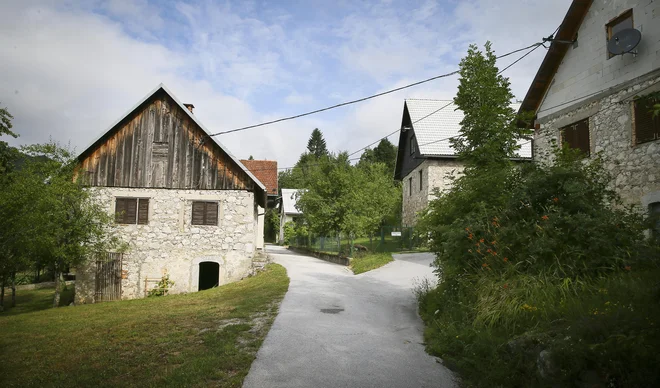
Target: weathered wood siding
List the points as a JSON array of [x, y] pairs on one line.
[[159, 146]]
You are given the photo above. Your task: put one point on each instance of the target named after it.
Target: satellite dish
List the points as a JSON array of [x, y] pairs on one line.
[[624, 41]]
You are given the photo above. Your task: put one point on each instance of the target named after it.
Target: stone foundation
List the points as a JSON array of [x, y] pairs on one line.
[[170, 245]]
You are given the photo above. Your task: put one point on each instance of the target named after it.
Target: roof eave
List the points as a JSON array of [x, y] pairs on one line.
[[553, 58]]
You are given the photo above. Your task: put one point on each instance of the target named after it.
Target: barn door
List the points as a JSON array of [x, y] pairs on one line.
[[108, 277]]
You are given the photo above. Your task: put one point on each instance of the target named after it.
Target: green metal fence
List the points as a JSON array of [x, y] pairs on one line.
[[388, 239]]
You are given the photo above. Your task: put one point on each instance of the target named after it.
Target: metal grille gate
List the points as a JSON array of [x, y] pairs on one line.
[[108, 277]]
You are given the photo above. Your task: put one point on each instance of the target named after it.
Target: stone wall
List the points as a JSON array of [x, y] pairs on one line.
[[635, 167], [436, 173], [169, 244]]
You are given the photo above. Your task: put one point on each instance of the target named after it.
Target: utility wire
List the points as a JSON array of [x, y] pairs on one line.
[[361, 99]]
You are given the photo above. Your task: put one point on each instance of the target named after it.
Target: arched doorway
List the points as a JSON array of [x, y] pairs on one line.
[[209, 275]]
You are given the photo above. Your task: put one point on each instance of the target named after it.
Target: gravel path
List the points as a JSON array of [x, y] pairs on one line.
[[336, 329]]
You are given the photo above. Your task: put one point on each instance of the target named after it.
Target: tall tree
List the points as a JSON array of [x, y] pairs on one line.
[[316, 144], [489, 130], [385, 152]]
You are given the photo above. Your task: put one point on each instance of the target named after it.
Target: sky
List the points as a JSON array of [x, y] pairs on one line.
[[71, 68]]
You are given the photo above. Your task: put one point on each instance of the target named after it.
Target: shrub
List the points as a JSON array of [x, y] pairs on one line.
[[162, 288], [542, 257]]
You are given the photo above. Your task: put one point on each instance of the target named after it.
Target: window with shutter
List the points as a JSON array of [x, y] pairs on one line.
[[143, 211], [647, 127], [204, 213], [576, 136], [132, 211]]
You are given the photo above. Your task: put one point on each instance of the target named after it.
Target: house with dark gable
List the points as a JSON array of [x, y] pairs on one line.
[[185, 205], [601, 102], [426, 161]]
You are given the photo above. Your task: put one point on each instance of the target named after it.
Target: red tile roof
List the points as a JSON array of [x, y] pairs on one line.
[[265, 171]]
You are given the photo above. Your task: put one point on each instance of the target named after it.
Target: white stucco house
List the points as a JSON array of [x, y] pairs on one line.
[[600, 103], [288, 210], [184, 204], [426, 160]]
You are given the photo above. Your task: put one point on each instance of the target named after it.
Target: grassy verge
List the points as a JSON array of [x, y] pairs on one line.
[[28, 301], [602, 332], [366, 262], [207, 338]]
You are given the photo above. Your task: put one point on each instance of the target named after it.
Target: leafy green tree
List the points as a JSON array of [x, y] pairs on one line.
[[316, 144], [385, 152], [7, 153], [49, 216], [489, 129]]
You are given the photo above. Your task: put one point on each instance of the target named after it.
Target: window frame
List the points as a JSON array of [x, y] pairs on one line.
[[420, 179], [413, 146], [410, 187], [205, 221], [655, 122], [574, 126], [139, 211], [609, 26]]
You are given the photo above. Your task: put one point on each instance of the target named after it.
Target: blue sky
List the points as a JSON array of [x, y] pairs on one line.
[[71, 68]]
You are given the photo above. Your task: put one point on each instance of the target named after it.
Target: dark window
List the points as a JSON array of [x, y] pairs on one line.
[[205, 213], [410, 186], [576, 135], [621, 22], [647, 127], [132, 211], [420, 180], [412, 145], [654, 215]]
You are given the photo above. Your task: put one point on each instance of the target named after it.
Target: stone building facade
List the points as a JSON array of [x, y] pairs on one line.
[[588, 98], [433, 174], [170, 245], [184, 206]]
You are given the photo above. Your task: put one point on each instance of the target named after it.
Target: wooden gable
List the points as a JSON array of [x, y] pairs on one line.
[[159, 145]]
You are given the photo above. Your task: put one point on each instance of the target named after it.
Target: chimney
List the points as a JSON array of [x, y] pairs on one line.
[[190, 107]]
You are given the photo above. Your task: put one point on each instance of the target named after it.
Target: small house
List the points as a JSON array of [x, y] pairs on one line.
[[184, 204]]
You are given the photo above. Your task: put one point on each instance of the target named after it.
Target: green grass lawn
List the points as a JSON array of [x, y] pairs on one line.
[[368, 261], [34, 300], [207, 338]]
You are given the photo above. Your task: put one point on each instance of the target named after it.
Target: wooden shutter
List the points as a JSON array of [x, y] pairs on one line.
[[576, 135], [131, 210], [143, 211], [120, 210], [211, 213], [198, 210], [647, 128]]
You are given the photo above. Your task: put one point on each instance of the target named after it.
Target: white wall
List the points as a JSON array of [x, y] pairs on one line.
[[587, 69]]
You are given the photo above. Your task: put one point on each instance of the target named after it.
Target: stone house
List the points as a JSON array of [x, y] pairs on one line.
[[266, 172], [288, 210], [185, 205], [600, 103], [426, 160]]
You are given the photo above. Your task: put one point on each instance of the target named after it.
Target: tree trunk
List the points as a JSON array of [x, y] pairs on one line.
[[13, 289], [58, 287]]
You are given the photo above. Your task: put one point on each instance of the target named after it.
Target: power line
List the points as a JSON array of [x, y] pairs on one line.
[[361, 99], [519, 59]]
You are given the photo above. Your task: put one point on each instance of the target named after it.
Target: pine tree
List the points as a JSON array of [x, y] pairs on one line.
[[316, 144]]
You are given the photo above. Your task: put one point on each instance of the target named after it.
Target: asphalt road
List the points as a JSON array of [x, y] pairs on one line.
[[336, 329]]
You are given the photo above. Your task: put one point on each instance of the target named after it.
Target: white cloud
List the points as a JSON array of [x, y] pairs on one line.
[[71, 69]]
